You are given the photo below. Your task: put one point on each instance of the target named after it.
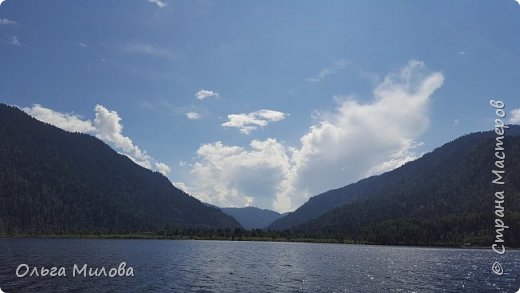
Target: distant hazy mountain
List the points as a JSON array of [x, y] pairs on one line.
[[251, 217], [53, 181], [445, 196]]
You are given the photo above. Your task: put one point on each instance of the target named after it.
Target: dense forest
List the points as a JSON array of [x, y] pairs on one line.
[[54, 182], [444, 198], [57, 182]]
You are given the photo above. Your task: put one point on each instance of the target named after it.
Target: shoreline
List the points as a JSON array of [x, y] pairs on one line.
[[236, 239]]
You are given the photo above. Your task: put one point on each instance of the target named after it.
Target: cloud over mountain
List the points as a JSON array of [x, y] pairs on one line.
[[106, 126], [355, 140]]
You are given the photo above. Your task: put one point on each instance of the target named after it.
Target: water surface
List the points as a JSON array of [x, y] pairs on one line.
[[226, 266]]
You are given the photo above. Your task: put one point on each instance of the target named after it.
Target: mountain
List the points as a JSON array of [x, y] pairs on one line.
[[251, 217], [322, 203], [444, 197], [54, 181]]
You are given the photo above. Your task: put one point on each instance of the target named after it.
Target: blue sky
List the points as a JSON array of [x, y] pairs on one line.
[[263, 103]]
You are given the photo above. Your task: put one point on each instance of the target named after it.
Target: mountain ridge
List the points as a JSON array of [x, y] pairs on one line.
[[55, 181], [252, 217], [319, 205]]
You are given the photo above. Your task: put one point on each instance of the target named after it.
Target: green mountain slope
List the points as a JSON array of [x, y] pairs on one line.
[[445, 197], [53, 181]]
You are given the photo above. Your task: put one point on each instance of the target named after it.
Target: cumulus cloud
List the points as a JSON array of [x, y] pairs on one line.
[[237, 176], [65, 121], [204, 94], [515, 116], [334, 68], [356, 140], [5, 21], [110, 130], [181, 186], [159, 3], [193, 115], [249, 122], [162, 168], [363, 139], [106, 126]]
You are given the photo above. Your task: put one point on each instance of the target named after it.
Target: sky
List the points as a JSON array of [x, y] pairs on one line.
[[263, 103]]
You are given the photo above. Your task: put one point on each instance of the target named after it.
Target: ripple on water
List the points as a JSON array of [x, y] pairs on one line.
[[224, 266]]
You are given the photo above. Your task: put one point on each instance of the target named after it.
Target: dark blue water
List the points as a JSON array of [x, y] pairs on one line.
[[223, 266]]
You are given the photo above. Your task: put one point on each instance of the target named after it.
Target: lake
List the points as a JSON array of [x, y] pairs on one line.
[[226, 266]]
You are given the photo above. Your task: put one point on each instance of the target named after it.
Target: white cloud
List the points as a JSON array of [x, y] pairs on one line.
[[515, 116], [363, 139], [5, 21], [14, 41], [66, 121], [271, 115], [234, 176], [334, 68], [110, 130], [148, 50], [249, 122], [181, 186], [354, 141], [106, 126], [204, 94], [193, 115], [162, 168], [159, 3]]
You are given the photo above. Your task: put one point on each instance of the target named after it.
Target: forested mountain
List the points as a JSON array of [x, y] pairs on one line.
[[320, 204], [444, 197], [53, 181], [252, 217]]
